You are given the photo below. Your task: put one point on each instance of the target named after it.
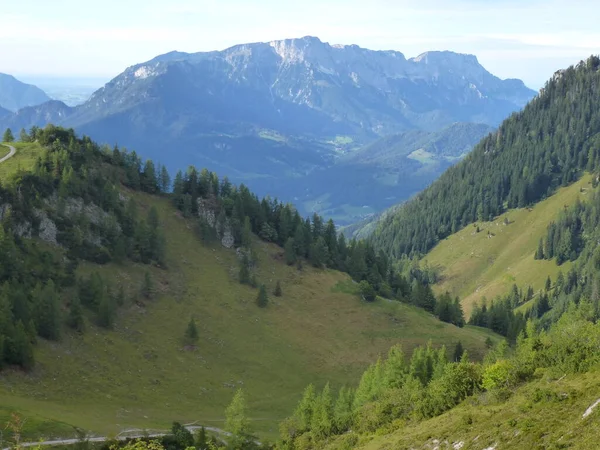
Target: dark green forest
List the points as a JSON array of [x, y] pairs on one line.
[[547, 145]]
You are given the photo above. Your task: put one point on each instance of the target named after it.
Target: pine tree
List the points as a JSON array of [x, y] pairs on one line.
[[191, 332], [47, 311], [247, 234], [165, 180], [21, 350], [277, 292], [318, 253], [458, 352], [290, 252], [539, 254], [244, 273], [262, 299], [548, 285], [23, 136], [8, 136], [201, 441]]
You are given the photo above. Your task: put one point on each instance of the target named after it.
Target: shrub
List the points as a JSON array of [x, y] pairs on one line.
[[500, 375]]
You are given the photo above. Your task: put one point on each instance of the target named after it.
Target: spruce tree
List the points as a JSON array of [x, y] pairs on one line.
[[247, 234], [539, 254], [21, 351], [8, 136], [277, 292], [47, 311], [165, 180], [244, 273], [201, 441], [262, 299], [290, 252], [191, 332], [458, 352], [23, 136]]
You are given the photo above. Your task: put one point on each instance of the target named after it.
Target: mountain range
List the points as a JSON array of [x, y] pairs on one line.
[[15, 94], [274, 114]]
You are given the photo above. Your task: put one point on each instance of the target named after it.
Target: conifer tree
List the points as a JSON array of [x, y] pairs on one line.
[[247, 234], [8, 136], [201, 440], [318, 253], [47, 311], [458, 352], [277, 292], [165, 180], [304, 410], [290, 252], [262, 299], [23, 136], [539, 254], [22, 348], [191, 332], [342, 410], [244, 272], [322, 417]]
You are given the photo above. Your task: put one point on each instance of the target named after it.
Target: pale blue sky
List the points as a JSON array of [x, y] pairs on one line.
[[527, 39]]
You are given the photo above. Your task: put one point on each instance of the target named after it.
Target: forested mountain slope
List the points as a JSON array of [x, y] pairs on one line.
[[547, 145], [485, 260], [103, 275]]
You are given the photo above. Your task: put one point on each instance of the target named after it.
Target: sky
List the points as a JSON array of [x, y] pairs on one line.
[[526, 39]]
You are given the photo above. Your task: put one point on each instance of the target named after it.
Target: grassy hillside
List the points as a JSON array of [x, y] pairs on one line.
[[476, 265], [541, 414], [24, 159], [140, 374]]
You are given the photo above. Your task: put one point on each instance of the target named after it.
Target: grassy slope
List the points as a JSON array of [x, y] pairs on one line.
[[24, 159], [542, 414], [4, 150], [473, 265], [139, 374]]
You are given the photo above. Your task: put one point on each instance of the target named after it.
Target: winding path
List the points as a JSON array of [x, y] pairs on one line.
[[10, 154], [123, 435]]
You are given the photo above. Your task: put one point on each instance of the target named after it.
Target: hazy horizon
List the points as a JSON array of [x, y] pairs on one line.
[[526, 40]]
